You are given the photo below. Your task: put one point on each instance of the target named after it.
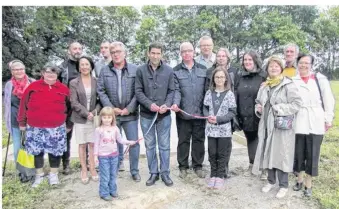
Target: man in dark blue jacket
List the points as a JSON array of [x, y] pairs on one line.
[[154, 88], [190, 78], [116, 85]]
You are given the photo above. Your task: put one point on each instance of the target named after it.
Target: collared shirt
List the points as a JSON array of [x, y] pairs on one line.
[[291, 71], [206, 62]]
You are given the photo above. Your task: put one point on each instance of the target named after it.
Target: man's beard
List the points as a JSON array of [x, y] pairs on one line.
[[76, 56]]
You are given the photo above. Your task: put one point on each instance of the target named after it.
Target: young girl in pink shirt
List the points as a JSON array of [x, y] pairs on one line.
[[106, 151]]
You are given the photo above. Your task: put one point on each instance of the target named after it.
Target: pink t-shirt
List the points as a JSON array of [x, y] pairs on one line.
[[105, 143]]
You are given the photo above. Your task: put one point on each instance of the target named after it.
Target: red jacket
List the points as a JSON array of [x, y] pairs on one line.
[[43, 105]]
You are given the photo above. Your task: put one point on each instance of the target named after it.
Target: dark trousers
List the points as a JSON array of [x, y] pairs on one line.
[[228, 155], [252, 143], [186, 130], [282, 177], [54, 161], [67, 154], [217, 151], [307, 153]]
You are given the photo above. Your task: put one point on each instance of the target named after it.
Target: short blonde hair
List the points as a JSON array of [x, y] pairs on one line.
[[276, 59], [107, 111]]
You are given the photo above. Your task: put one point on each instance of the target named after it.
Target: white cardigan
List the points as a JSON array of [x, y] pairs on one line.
[[311, 117]]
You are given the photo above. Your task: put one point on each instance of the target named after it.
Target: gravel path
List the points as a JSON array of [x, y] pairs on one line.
[[239, 192]]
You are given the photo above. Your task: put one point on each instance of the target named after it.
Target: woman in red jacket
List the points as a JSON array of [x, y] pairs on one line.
[[43, 113]]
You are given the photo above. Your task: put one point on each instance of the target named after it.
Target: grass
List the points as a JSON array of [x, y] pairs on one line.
[[326, 185], [4, 135], [17, 195]]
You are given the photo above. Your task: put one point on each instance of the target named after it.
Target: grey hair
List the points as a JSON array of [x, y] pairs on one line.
[[292, 45], [117, 43], [186, 43], [228, 54], [205, 38], [16, 62]]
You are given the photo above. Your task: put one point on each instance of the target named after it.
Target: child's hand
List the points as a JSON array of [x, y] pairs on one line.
[[96, 161], [212, 119]]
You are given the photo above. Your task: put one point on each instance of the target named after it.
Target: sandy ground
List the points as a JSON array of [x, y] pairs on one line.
[[239, 191]]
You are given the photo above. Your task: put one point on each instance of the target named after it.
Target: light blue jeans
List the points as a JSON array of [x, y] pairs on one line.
[[108, 175], [160, 131], [16, 137]]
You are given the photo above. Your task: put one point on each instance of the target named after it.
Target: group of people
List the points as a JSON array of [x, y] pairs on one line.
[[283, 109]]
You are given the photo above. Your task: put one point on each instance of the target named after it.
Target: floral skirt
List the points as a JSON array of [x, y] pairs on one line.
[[47, 140]]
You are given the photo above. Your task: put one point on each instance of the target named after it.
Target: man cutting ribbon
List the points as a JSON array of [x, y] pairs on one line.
[[154, 88]]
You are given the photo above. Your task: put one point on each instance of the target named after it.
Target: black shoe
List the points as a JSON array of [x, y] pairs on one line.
[[200, 173], [308, 192], [136, 177], [183, 173], [298, 186], [67, 170], [167, 180], [152, 179]]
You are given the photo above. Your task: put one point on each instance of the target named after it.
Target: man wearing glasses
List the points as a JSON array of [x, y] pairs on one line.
[[189, 79], [207, 57], [116, 89]]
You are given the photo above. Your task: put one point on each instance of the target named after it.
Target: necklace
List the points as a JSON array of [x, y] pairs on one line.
[[218, 94]]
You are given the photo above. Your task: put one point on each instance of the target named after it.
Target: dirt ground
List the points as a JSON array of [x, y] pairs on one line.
[[239, 191]]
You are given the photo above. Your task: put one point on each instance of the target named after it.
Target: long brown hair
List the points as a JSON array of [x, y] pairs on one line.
[[227, 82]]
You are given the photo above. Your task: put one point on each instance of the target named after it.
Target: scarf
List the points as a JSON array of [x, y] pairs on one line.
[[19, 86], [271, 82]]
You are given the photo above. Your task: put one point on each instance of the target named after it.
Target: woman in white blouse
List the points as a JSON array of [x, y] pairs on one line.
[[313, 120]]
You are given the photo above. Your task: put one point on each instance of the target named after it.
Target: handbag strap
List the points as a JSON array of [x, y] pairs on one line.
[[318, 85], [23, 138]]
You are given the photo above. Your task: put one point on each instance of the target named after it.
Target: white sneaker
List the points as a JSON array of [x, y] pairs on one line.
[[281, 193], [38, 180], [53, 179], [267, 188]]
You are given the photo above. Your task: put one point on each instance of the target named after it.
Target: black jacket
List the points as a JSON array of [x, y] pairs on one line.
[[189, 89], [246, 88], [154, 87]]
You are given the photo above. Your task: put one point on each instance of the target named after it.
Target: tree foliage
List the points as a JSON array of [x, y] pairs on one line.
[[38, 35]]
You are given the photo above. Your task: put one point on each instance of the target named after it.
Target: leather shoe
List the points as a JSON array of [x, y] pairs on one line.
[[200, 173], [167, 180], [308, 192], [183, 173], [298, 186], [136, 177], [66, 170], [152, 179]]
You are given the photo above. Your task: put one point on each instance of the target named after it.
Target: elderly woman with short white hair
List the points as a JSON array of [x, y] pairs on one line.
[[14, 90]]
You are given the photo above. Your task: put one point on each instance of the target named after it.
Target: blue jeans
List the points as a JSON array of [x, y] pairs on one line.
[[131, 131], [160, 130], [16, 137], [108, 175]]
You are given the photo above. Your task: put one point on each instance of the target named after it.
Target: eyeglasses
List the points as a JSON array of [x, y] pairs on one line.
[[116, 52], [18, 69], [186, 51], [51, 71], [219, 77], [206, 45], [304, 63]]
